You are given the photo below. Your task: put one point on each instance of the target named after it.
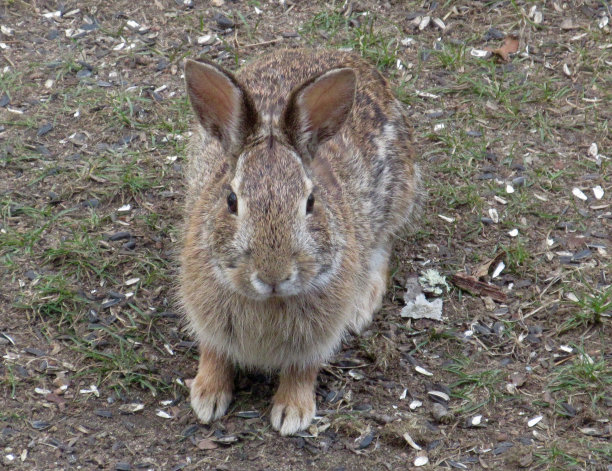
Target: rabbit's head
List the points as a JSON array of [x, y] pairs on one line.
[[270, 225]]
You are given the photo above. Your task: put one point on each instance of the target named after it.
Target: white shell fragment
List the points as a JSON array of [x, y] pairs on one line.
[[132, 281], [536, 420], [509, 189], [494, 215], [166, 402], [163, 414], [476, 420], [500, 200], [411, 442], [206, 40], [479, 53], [403, 394], [566, 70], [439, 23], [415, 404], [513, 232], [91, 390], [439, 127], [603, 22], [124, 209], [566, 348], [538, 17], [356, 375], [131, 408], [426, 94], [498, 269], [593, 150], [440, 394], [446, 218], [577, 192], [572, 297], [424, 22], [42, 391], [423, 371], [421, 461], [598, 192]]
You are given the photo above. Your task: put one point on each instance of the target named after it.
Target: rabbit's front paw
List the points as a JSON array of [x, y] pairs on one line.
[[294, 403], [289, 418], [208, 402], [211, 390]]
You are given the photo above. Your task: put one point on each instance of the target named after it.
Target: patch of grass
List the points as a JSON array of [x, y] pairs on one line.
[[372, 45], [327, 22], [584, 375], [517, 256], [476, 387], [54, 300], [588, 309]]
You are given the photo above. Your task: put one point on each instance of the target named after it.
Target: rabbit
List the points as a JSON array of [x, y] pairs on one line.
[[300, 173]]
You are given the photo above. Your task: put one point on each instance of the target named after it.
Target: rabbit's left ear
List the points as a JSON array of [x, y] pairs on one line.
[[317, 109]]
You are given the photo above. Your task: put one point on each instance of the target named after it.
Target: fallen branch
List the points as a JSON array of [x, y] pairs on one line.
[[478, 288]]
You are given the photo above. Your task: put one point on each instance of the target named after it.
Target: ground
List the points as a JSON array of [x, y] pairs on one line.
[[515, 155]]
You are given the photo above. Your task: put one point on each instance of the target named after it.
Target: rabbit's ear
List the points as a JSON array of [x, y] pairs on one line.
[[224, 108], [317, 109]]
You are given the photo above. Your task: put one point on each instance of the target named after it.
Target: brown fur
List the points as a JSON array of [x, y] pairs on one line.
[[273, 287]]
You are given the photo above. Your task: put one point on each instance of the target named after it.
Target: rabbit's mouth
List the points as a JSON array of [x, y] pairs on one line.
[[266, 287]]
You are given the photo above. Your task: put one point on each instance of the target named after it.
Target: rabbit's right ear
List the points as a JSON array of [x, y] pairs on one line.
[[223, 107]]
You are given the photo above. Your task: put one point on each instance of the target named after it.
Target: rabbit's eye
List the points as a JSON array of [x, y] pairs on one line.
[[309, 204], [232, 203]]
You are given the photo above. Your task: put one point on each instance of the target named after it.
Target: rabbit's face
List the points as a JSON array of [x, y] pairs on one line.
[[272, 229]]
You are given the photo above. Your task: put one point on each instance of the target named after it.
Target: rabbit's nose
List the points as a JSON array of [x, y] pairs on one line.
[[268, 281]]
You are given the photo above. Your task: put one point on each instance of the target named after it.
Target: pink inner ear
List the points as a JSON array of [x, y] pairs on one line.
[[327, 100], [213, 95]]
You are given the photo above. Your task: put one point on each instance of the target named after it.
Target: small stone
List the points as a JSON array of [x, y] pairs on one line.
[[223, 21], [4, 100], [121, 235], [493, 33], [44, 129], [366, 441], [440, 413], [91, 203]]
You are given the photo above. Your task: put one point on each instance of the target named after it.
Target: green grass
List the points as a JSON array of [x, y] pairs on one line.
[[588, 309], [476, 387], [584, 375]]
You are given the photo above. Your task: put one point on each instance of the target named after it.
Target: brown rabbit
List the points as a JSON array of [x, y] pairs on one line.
[[300, 173]]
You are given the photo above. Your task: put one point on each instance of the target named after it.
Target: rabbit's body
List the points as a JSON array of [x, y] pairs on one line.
[[272, 285]]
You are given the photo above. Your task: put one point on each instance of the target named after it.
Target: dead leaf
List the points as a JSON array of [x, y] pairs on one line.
[[60, 401], [483, 269], [510, 46], [207, 444], [567, 23]]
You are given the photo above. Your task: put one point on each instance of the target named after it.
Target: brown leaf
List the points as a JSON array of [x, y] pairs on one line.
[[207, 444], [60, 401], [483, 269], [510, 46]]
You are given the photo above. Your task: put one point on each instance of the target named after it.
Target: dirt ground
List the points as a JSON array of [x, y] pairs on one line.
[[515, 146]]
